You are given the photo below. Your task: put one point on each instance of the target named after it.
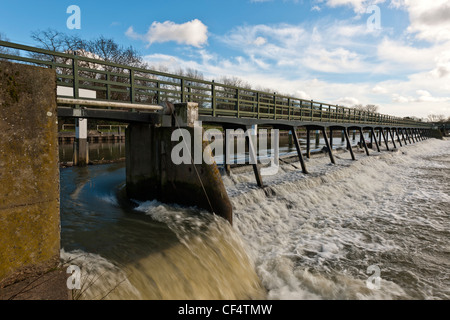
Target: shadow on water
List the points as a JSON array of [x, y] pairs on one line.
[[96, 217], [152, 251]]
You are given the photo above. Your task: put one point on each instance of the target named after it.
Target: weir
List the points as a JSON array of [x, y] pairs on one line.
[[155, 105]]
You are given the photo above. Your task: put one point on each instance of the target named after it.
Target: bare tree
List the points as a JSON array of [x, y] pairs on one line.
[[5, 50], [436, 118], [367, 108]]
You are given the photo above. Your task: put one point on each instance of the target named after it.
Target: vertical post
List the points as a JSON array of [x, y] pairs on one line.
[[349, 145], [183, 87], [132, 87], [308, 143], [257, 104], [227, 153], [330, 151], [317, 138], [81, 151], [331, 138], [379, 136], [213, 98], [299, 150], [108, 87], [238, 101], [76, 84], [289, 108], [375, 139], [301, 110], [275, 105], [158, 92], [361, 133]]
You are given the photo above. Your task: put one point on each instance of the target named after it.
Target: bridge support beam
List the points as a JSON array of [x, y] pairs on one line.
[[363, 140], [385, 140], [349, 145], [162, 163], [398, 137], [299, 150], [375, 139], [327, 142], [251, 139], [403, 136], [392, 137]]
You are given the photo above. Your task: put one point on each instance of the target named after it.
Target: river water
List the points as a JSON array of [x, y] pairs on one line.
[[376, 228]]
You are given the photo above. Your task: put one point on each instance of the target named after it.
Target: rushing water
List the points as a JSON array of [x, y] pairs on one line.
[[302, 237]]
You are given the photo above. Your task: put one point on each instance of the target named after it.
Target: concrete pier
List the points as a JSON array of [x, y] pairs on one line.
[[29, 172], [151, 172]]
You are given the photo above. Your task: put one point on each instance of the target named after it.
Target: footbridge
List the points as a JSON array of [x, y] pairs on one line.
[[155, 104]]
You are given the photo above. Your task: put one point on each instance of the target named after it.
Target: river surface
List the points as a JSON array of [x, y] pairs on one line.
[[376, 228]]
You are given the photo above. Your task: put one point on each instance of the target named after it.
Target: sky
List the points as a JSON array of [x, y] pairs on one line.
[[392, 53]]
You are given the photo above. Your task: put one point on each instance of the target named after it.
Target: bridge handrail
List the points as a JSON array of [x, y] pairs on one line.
[[115, 82]]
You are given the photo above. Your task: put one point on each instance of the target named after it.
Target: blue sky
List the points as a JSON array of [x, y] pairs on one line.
[[334, 51]]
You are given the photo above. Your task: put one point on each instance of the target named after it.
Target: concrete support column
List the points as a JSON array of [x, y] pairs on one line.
[[172, 163], [29, 175], [80, 150]]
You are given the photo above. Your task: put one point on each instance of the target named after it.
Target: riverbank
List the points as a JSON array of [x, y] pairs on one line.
[[51, 285]]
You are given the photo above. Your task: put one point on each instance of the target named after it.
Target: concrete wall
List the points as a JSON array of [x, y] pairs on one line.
[[29, 172], [151, 173]]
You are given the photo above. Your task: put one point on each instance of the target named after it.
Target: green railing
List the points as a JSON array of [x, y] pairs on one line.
[[122, 83]]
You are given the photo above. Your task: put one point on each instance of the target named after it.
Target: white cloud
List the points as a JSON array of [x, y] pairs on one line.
[[400, 57], [324, 48], [259, 41], [193, 33], [429, 19], [379, 89], [358, 6], [350, 61], [348, 101]]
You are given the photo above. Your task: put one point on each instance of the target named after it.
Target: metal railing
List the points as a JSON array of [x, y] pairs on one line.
[[121, 83]]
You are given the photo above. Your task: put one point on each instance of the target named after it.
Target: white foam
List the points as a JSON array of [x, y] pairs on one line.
[[315, 222]]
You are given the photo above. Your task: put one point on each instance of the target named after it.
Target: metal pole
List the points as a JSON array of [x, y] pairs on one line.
[[375, 139], [330, 151], [299, 150], [349, 145], [363, 141]]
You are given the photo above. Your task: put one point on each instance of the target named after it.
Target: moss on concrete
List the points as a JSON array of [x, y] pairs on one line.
[[29, 171]]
